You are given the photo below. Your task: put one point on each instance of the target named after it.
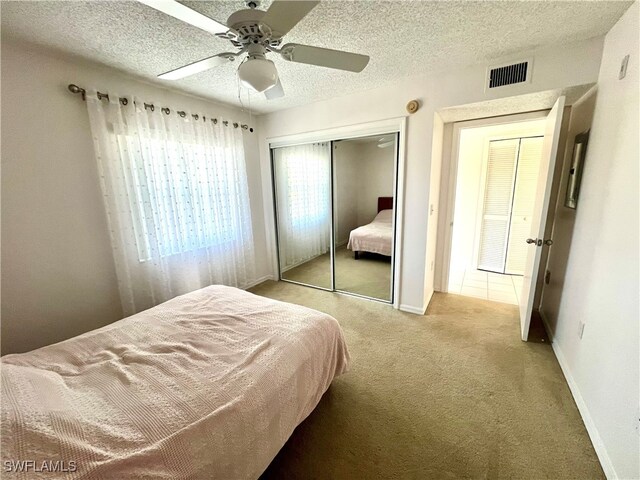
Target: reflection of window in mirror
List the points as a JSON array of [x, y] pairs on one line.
[[302, 176]]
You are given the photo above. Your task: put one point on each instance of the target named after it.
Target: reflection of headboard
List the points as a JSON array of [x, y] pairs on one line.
[[385, 203]]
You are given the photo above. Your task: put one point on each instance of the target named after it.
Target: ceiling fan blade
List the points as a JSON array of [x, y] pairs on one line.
[[283, 15], [186, 14], [324, 57], [275, 92], [199, 66]]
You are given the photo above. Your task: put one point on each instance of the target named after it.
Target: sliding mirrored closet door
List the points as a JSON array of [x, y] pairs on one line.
[[302, 181], [335, 214], [364, 191]]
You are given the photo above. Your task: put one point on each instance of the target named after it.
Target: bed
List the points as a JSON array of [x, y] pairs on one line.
[[207, 385], [377, 236]]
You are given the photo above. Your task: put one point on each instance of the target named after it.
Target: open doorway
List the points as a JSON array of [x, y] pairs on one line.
[[495, 208], [495, 189]]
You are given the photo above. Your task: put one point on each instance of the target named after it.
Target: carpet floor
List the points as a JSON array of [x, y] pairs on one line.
[[451, 394], [370, 275]]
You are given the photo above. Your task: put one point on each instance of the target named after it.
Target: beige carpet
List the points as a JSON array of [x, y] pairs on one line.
[[370, 275], [453, 394]]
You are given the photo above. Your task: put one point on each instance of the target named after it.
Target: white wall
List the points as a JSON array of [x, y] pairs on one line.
[[602, 281], [467, 201], [433, 208], [58, 277], [346, 161], [363, 172], [375, 179], [574, 64]]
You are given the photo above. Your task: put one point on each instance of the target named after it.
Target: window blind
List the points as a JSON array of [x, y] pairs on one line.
[[509, 197], [498, 195]]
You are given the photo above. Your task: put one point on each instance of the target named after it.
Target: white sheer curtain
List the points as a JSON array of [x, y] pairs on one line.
[[176, 197], [303, 194]]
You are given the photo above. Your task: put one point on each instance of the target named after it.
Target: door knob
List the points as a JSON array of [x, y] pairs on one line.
[[548, 242], [536, 241]]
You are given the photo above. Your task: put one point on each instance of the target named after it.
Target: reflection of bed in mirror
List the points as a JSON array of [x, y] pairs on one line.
[[377, 236]]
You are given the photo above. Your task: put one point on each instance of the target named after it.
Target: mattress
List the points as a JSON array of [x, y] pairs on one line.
[[207, 385], [375, 237]]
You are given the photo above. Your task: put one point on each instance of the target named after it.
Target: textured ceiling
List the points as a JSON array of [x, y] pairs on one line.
[[403, 38]]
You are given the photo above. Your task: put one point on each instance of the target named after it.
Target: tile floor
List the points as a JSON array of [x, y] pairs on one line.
[[488, 285]]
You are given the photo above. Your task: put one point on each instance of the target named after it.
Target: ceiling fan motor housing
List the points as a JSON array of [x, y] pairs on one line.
[[250, 29]]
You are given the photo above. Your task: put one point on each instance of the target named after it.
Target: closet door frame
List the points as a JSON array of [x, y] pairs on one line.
[[395, 125]]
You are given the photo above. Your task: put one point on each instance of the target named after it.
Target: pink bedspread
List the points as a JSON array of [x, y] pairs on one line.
[[375, 237], [207, 385]]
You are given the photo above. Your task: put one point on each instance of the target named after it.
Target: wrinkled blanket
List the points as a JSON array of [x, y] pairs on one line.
[[207, 385]]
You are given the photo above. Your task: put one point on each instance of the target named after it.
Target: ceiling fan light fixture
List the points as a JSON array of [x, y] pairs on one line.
[[258, 74]]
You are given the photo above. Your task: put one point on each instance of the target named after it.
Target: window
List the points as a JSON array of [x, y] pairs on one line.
[[176, 197], [180, 200]]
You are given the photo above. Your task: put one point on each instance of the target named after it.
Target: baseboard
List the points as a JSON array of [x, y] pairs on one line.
[[545, 324], [412, 309], [596, 440], [428, 300], [258, 281]]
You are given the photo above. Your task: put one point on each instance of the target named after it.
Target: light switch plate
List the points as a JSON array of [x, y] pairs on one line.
[[623, 68]]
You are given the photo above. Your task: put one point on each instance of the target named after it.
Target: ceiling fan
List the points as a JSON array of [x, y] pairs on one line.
[[255, 33]]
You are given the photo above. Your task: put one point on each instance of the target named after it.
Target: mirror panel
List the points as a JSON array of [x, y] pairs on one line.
[[364, 213], [302, 178]]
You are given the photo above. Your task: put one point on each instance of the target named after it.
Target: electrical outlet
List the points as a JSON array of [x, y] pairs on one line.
[[581, 329], [623, 68]]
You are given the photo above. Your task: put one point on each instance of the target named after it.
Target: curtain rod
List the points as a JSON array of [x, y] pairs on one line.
[[166, 110]]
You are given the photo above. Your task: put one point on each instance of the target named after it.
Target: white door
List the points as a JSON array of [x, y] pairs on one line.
[[524, 195], [539, 217]]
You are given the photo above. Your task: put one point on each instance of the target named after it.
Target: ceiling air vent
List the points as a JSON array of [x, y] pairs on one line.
[[503, 75]]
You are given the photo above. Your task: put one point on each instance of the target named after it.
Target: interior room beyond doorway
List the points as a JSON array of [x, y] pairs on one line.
[[497, 170]]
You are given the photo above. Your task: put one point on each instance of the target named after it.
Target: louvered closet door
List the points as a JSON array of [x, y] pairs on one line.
[[523, 202], [498, 195]]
